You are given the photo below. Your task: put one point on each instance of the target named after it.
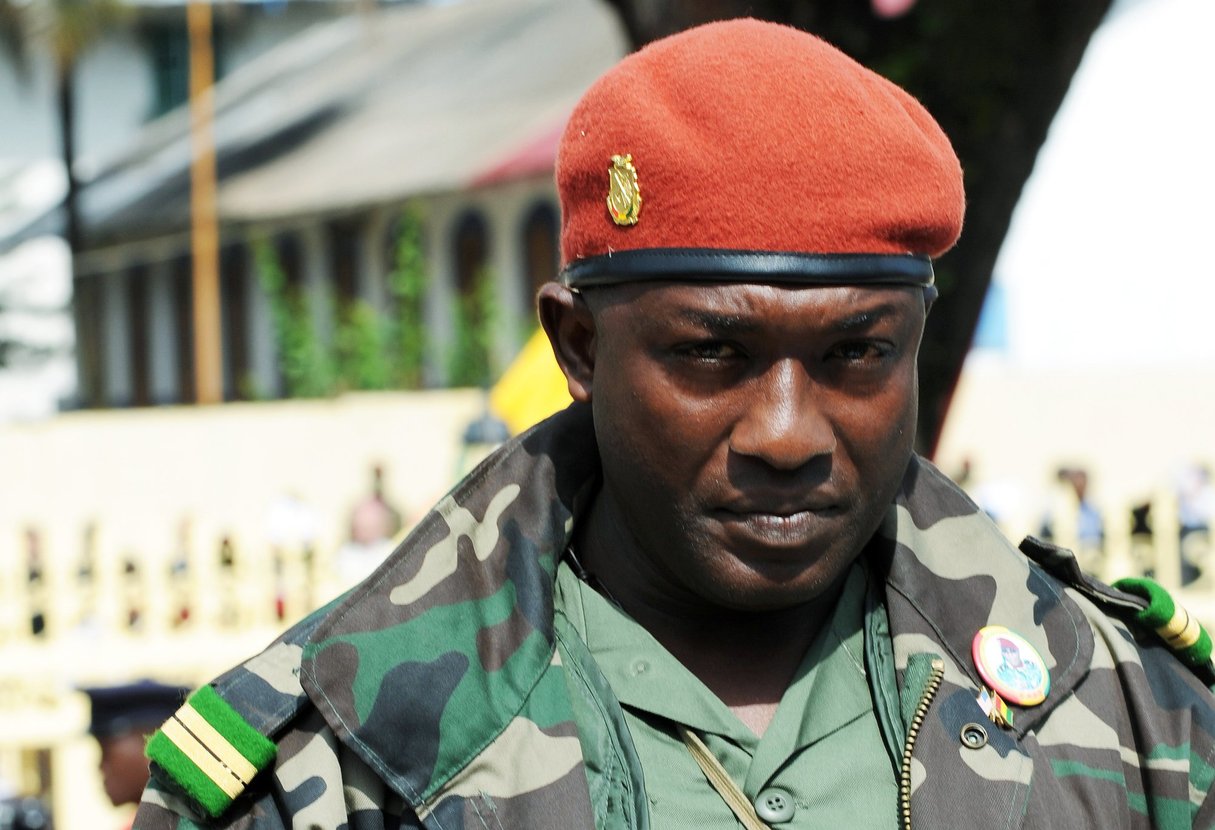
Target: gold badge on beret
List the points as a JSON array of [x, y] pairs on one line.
[[624, 194]]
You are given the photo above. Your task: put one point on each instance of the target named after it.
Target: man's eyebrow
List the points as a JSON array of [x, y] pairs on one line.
[[715, 321], [866, 318]]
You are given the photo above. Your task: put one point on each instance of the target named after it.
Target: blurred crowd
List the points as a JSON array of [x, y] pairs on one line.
[[1088, 522]]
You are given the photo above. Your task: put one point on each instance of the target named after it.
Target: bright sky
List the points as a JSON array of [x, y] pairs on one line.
[[1109, 257]]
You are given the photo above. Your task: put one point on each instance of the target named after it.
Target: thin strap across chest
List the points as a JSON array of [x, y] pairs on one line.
[[730, 793]]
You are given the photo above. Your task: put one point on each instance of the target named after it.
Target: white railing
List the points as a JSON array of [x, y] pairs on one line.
[[179, 575], [174, 543], [1162, 554], [138, 613]]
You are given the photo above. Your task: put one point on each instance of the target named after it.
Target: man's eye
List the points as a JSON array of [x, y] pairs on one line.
[[711, 350], [860, 351]]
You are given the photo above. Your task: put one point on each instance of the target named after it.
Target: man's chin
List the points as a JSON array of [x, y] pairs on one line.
[[763, 592]]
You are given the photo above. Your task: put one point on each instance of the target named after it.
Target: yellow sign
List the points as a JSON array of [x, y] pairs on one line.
[[531, 388]]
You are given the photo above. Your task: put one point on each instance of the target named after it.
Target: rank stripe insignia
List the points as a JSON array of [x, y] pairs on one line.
[[216, 743], [1179, 629], [219, 773], [209, 751]]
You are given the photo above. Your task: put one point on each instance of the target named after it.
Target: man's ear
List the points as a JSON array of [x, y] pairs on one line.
[[570, 327], [930, 297]]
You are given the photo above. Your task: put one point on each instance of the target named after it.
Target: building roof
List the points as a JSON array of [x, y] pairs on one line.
[[366, 109]]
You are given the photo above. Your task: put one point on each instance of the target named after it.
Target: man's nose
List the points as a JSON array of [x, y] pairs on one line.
[[783, 423]]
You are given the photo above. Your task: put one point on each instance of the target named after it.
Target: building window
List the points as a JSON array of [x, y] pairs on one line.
[[289, 255], [290, 259], [88, 303], [234, 306], [168, 45], [470, 251], [344, 237], [140, 342], [182, 285], [540, 253]]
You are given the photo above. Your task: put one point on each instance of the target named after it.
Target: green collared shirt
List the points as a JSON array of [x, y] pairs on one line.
[[822, 755]]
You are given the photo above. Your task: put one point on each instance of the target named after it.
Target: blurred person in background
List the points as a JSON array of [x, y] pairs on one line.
[[1195, 499], [1090, 527], [374, 525], [1195, 512], [121, 719], [1072, 518], [720, 589]]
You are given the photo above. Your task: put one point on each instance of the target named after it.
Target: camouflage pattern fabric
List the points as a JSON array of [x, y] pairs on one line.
[[432, 695]]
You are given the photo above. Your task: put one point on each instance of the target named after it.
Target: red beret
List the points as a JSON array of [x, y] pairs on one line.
[[753, 151]]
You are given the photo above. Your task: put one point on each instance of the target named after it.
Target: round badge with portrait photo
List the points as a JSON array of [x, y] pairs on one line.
[[1010, 666]]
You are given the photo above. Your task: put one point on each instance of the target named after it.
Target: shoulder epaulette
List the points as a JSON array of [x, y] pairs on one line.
[[1141, 601], [1062, 565], [1179, 629], [210, 751], [216, 744]]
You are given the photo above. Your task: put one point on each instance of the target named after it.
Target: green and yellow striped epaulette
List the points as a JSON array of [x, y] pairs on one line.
[[1179, 629], [209, 751], [1138, 601], [213, 747]]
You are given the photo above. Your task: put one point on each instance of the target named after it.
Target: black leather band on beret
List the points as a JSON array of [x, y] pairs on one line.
[[718, 265]]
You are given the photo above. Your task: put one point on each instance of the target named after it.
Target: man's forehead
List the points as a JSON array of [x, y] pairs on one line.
[[740, 305]]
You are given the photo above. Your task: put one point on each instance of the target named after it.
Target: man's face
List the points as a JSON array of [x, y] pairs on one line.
[[124, 769], [752, 436]]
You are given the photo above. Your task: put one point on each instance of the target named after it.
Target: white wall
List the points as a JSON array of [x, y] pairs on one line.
[[1107, 261], [225, 465]]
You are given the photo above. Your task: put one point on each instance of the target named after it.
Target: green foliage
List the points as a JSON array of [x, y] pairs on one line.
[[370, 349], [361, 348], [74, 25], [373, 349], [406, 286], [474, 322], [67, 28], [306, 361], [12, 37], [249, 389]]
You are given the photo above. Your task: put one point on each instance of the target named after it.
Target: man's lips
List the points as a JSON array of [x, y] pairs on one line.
[[778, 524], [782, 507]]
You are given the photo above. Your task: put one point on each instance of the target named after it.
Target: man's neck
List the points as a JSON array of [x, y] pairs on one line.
[[746, 658]]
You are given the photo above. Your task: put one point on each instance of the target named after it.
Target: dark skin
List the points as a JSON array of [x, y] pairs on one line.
[[124, 768], [752, 437]]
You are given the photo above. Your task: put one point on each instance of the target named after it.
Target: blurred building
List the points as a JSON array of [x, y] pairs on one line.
[[321, 141], [130, 73], [135, 71]]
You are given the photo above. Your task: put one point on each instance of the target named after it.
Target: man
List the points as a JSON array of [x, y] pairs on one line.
[[121, 719], [719, 590]]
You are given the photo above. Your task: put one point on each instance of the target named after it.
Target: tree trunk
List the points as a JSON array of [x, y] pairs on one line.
[[89, 363], [65, 101], [993, 79]]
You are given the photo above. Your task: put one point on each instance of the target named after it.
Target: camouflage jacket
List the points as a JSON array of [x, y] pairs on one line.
[[433, 695]]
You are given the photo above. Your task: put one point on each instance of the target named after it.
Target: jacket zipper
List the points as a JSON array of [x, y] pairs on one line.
[[913, 730]]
